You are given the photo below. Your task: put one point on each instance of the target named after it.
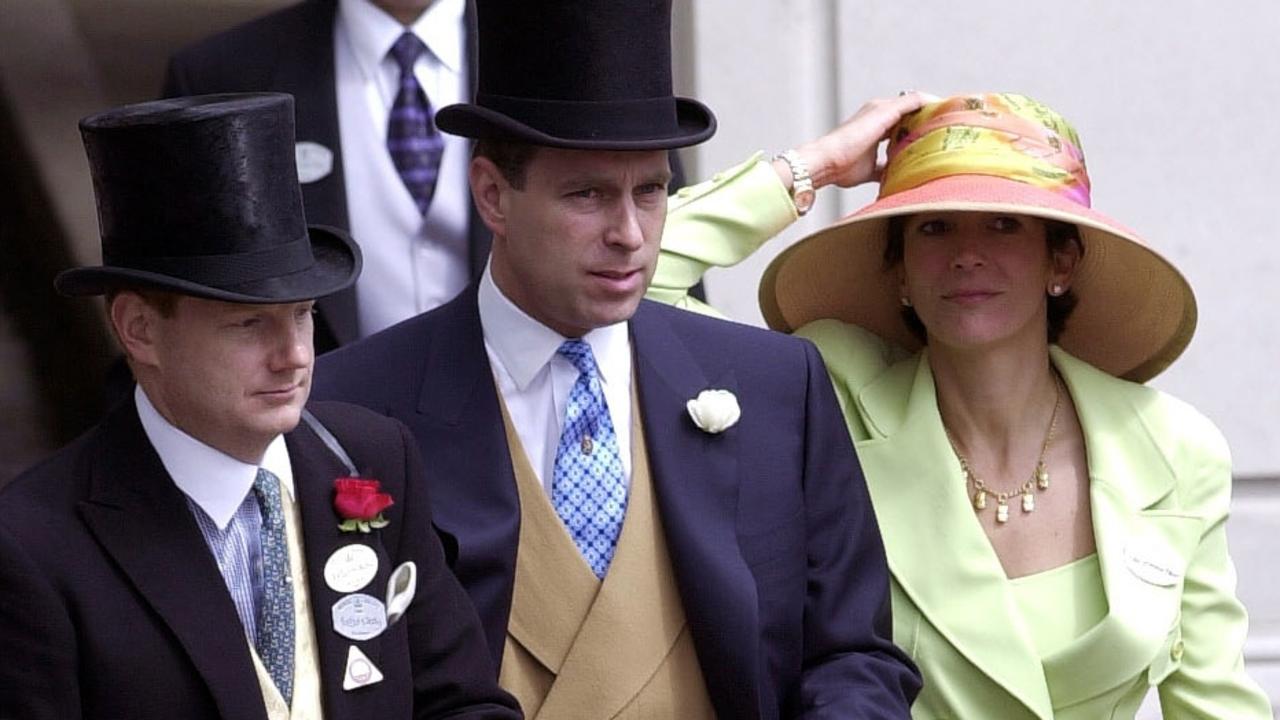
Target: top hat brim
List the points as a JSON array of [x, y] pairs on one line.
[[695, 123], [1135, 313], [337, 264]]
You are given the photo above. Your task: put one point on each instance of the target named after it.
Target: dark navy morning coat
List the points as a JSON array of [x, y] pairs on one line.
[[774, 544], [112, 606]]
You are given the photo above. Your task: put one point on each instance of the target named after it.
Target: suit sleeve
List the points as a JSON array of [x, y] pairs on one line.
[[453, 676], [718, 223], [38, 665], [852, 669], [1208, 678]]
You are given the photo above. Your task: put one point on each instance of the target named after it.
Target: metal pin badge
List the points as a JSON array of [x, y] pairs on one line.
[[360, 670], [359, 617], [350, 568]]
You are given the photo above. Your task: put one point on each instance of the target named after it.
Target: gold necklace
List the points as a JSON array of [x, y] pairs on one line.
[[1039, 477]]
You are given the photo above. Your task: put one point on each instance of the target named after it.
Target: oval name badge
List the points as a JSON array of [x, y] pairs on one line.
[[314, 161], [1153, 563], [359, 617], [350, 568]]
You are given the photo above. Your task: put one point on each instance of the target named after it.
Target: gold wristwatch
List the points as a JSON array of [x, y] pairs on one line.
[[802, 192]]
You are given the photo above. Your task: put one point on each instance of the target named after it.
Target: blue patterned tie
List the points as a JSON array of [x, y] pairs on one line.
[[412, 138], [587, 489], [275, 616]]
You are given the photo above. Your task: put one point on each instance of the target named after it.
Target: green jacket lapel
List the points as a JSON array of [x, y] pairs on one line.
[[921, 503], [1142, 549]]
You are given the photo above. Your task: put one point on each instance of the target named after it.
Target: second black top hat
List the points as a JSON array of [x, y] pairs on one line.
[[586, 74], [200, 196]]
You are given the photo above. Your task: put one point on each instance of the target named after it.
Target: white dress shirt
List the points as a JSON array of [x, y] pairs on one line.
[[217, 487], [216, 482], [535, 380], [412, 263]]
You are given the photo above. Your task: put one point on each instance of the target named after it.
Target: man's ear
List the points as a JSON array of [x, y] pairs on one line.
[[488, 188], [135, 322]]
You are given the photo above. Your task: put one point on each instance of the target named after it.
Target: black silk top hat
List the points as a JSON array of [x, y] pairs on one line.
[[584, 74], [200, 196]]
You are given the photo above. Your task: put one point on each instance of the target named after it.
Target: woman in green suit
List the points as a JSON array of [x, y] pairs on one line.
[[1054, 528]]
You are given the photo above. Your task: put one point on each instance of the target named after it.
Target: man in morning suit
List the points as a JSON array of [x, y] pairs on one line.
[[657, 514], [200, 554]]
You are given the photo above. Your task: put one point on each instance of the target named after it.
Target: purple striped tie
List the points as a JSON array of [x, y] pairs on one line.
[[412, 138]]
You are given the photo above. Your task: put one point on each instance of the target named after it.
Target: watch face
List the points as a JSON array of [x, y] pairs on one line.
[[803, 199]]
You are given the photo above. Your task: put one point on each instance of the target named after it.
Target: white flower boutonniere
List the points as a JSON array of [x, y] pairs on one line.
[[714, 411]]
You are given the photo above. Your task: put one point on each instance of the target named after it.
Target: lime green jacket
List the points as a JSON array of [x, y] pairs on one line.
[[1160, 486]]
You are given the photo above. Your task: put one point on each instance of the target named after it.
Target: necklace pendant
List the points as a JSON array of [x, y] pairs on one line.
[[980, 500], [1028, 502], [1002, 512], [1042, 476], [586, 445]]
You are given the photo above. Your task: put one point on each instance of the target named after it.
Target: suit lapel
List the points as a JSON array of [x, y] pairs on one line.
[[304, 68], [1128, 476], [142, 521], [695, 481], [314, 470], [457, 420], [965, 594]]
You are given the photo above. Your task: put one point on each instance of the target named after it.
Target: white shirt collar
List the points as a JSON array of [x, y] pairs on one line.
[[215, 481], [373, 32], [525, 346]]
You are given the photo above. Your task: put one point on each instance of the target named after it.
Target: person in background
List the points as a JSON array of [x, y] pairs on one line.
[[368, 77], [1055, 529], [200, 554]]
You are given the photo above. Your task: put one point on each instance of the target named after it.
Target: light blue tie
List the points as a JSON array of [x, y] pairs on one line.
[[587, 489], [275, 614]]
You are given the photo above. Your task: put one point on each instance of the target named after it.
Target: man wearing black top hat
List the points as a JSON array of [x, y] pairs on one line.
[[656, 514], [200, 554]]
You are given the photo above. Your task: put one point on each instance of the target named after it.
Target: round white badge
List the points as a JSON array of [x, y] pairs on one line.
[[350, 568], [359, 617], [314, 160]]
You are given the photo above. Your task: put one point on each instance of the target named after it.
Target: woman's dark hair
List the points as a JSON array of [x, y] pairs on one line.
[[1057, 234]]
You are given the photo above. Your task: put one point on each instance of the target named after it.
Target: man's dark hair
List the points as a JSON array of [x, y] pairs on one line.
[[1058, 236], [511, 156]]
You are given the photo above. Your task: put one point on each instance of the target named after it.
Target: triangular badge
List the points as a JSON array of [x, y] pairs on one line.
[[360, 670]]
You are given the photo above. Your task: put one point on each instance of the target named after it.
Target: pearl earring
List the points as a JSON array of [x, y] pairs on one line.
[[906, 301], [1056, 289]]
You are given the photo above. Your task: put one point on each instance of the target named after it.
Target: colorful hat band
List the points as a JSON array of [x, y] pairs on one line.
[[994, 138]]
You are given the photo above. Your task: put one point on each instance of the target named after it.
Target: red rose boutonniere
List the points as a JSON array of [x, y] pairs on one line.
[[360, 502]]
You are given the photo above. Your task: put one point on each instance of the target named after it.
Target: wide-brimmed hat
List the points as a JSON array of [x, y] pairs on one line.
[[200, 196], [584, 74], [990, 153]]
